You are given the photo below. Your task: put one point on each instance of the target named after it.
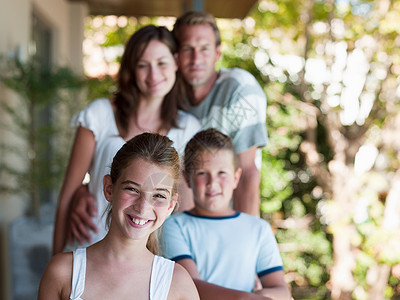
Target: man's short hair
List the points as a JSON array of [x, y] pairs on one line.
[[197, 18]]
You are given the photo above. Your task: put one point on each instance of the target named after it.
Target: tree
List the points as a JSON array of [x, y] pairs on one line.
[[38, 88], [332, 68]]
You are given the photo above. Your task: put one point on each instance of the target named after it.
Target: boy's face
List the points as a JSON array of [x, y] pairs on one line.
[[213, 180]]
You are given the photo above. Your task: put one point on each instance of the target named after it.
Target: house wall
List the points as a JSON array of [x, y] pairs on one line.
[[66, 21]]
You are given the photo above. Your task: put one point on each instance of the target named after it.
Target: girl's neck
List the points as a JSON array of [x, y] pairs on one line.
[[121, 249]]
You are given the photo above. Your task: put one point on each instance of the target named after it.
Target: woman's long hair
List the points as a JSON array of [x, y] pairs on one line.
[[127, 96]]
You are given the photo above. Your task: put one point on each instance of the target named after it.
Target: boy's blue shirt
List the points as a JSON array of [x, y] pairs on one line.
[[228, 250]]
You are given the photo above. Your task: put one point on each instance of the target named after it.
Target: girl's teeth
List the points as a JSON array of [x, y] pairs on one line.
[[139, 222]]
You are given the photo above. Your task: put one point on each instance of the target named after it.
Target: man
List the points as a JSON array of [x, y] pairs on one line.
[[230, 101]]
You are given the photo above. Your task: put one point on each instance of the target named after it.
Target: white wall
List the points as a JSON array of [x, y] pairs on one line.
[[14, 25], [67, 22]]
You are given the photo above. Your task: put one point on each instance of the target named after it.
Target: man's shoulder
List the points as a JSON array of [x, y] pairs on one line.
[[237, 81], [241, 76], [232, 72]]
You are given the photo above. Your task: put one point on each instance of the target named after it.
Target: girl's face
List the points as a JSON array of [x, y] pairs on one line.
[[156, 71], [142, 198]]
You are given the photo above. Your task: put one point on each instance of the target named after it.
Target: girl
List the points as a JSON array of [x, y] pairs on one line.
[[148, 100], [142, 191]]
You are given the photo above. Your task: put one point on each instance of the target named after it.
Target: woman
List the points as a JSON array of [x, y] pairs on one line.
[[148, 100]]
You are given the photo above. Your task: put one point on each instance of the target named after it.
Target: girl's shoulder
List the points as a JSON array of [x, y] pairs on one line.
[[57, 276], [60, 265], [182, 285]]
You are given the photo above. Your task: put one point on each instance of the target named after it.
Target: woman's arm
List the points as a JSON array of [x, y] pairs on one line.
[[81, 157]]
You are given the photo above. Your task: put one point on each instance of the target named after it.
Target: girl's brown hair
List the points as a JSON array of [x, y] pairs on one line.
[[154, 148], [127, 96]]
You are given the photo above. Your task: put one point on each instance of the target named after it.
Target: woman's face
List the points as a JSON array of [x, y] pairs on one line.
[[156, 71]]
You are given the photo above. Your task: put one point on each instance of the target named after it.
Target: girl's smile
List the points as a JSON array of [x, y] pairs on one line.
[[138, 222], [141, 200]]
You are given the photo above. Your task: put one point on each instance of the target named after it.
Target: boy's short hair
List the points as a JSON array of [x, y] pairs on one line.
[[207, 140], [197, 18]]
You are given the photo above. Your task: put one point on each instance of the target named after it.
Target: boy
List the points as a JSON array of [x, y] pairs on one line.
[[222, 249]]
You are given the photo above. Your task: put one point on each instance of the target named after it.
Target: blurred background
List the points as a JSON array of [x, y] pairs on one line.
[[330, 176]]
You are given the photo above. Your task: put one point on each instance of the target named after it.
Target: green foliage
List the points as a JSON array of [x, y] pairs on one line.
[[300, 196], [101, 87], [275, 187], [307, 256], [286, 184], [37, 165]]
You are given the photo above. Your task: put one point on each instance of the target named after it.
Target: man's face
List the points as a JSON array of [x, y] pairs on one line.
[[198, 54]]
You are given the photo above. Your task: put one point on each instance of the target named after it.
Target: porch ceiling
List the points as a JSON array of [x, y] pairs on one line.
[[219, 8]]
